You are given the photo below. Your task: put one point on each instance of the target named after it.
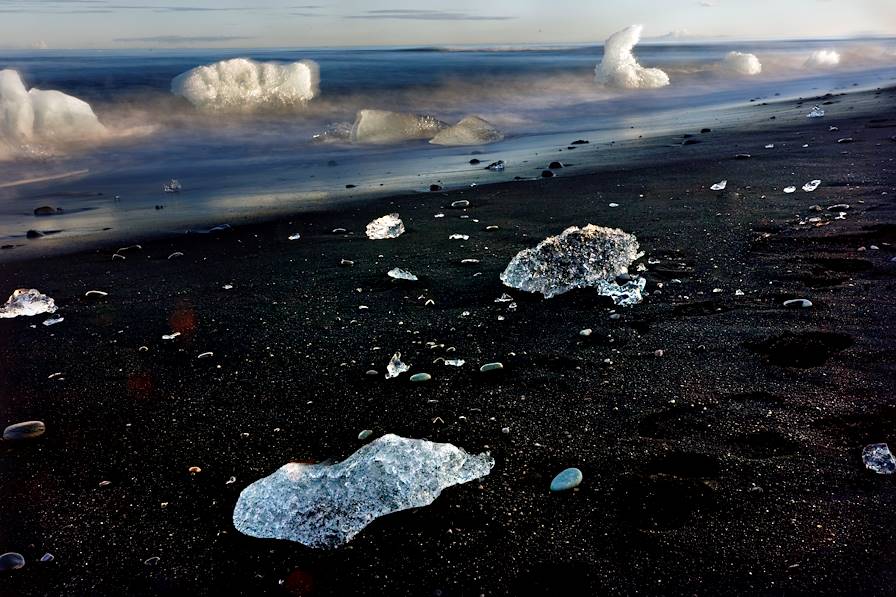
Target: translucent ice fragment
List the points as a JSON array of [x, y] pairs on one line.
[[620, 68], [472, 130], [789, 190], [395, 366], [816, 112], [592, 256], [719, 186], [401, 274], [878, 458], [383, 126], [811, 186], [326, 505], [455, 362], [172, 186], [26, 302], [389, 226]]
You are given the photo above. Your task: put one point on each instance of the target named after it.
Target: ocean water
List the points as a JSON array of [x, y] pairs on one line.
[[234, 166]]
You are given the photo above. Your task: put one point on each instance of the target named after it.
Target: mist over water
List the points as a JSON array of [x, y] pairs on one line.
[[267, 152]]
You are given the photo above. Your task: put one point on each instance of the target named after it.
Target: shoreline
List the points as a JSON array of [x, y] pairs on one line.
[[728, 463]]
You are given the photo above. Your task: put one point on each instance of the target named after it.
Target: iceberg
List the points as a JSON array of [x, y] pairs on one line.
[[241, 84], [823, 59], [739, 63], [389, 226], [42, 115], [27, 302], [619, 68], [472, 130], [383, 126], [592, 256], [326, 505]]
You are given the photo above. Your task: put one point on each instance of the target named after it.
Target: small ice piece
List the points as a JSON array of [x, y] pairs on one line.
[[172, 186], [455, 362], [504, 298], [439, 216], [620, 68], [395, 366], [577, 258], [459, 237], [811, 186], [472, 130], [770, 146], [389, 226], [816, 112], [326, 505], [401, 274], [496, 166], [53, 321], [798, 303], [295, 236], [789, 190], [878, 458], [383, 126], [170, 336], [719, 186], [613, 205], [27, 302]]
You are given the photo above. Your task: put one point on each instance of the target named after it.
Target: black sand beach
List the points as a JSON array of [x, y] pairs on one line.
[[719, 433]]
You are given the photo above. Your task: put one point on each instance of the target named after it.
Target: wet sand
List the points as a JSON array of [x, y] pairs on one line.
[[730, 463]]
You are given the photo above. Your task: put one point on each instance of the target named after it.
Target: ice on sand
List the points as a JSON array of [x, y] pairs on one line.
[[389, 226], [619, 68], [719, 186], [240, 85], [811, 186], [395, 366], [326, 505], [592, 256], [383, 126], [878, 458], [401, 274], [27, 302], [815, 113], [472, 130], [789, 190]]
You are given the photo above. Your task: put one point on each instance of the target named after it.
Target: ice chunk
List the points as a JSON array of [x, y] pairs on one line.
[[395, 366], [578, 258], [455, 362], [719, 186], [27, 302], [389, 226], [472, 130], [459, 237], [619, 68], [42, 115], [740, 63], [241, 84], [325, 505], [496, 166], [815, 113], [382, 126], [823, 59], [789, 190], [811, 186], [401, 274], [172, 186], [878, 458]]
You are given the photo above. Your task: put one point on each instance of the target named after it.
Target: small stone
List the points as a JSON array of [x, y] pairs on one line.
[[194, 470], [878, 458], [152, 561], [586, 332], [420, 377], [798, 303], [547, 174], [24, 431], [491, 367], [47, 557], [371, 372], [34, 234], [461, 203], [567, 479], [658, 353], [346, 263], [11, 561], [474, 162], [46, 210], [435, 187], [555, 165], [505, 430]]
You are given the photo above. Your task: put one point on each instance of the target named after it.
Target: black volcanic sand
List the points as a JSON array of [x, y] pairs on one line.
[[730, 464]]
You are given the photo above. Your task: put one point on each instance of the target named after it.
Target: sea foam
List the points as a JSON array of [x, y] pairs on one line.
[[740, 63], [619, 68], [241, 84], [42, 116]]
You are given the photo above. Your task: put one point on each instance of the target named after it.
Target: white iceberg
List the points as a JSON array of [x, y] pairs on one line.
[[592, 256], [740, 63], [326, 505], [389, 226], [619, 68], [27, 302], [472, 130], [383, 126], [823, 59], [241, 84], [42, 115]]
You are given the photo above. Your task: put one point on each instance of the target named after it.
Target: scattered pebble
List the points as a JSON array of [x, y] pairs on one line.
[[566, 480], [11, 561], [798, 303], [24, 431], [420, 377], [491, 367], [365, 434]]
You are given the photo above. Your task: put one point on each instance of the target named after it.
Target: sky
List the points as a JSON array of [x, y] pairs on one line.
[[319, 23]]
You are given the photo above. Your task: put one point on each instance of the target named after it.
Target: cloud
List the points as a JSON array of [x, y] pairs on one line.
[[182, 39], [426, 15]]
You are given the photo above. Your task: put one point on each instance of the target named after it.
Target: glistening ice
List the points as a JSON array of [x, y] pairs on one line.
[[619, 68]]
